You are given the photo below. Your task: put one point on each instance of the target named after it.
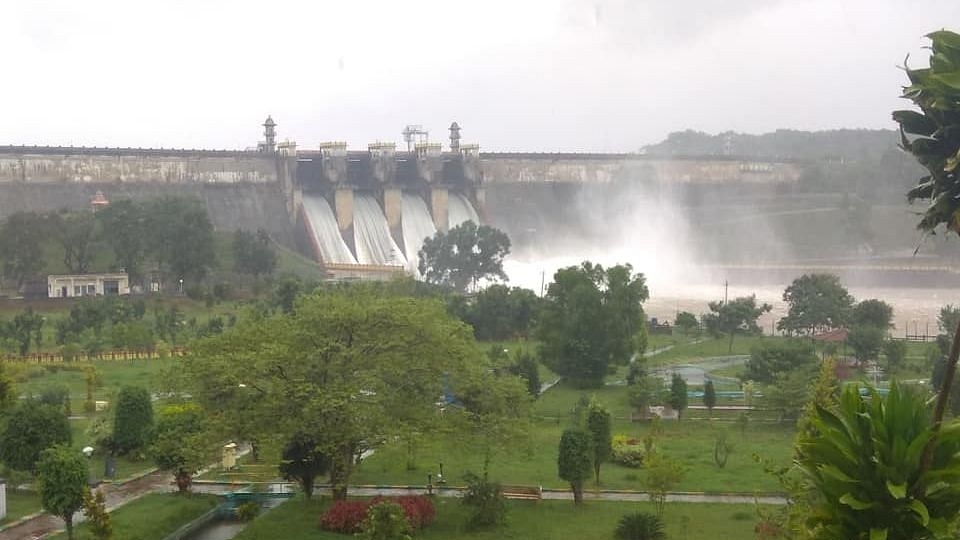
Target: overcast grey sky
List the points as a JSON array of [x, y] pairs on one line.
[[599, 75]]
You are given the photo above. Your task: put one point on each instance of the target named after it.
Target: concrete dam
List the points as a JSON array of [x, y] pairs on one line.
[[368, 211]]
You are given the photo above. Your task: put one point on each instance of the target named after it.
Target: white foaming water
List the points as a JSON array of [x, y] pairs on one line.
[[417, 226], [460, 210], [326, 233], [372, 234]]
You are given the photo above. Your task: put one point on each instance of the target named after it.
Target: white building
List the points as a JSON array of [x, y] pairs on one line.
[[70, 286]]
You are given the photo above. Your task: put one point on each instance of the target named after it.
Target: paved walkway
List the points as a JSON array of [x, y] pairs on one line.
[[116, 495]]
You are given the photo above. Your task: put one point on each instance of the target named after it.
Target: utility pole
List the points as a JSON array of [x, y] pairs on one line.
[[726, 285]]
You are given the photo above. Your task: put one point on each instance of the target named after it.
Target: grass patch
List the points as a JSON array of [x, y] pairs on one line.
[[554, 520], [20, 503], [154, 516]]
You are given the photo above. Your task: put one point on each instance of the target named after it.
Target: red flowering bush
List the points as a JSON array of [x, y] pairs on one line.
[[344, 516], [347, 516]]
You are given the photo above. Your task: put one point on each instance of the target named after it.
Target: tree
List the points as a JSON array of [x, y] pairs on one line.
[[709, 396], [123, 227], [663, 474], [133, 419], [302, 462], [62, 478], [98, 519], [575, 460], [30, 429], [866, 469], [8, 391], [788, 392], [678, 394], [948, 319], [351, 363], [896, 353], [646, 391], [770, 359], [866, 342], [598, 424], [738, 316], [528, 369], [253, 254], [817, 302], [501, 313], [181, 236], [873, 312], [592, 318], [932, 134], [21, 245], [181, 443], [464, 255], [76, 233], [27, 328], [686, 322]]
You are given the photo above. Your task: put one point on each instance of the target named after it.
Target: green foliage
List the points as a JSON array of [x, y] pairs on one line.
[[627, 451], [8, 390], [646, 391], [598, 424], [302, 462], [56, 396], [865, 469], [678, 394], [933, 134], [62, 480], [591, 319], [663, 474], [353, 364], [385, 521], [789, 392], [31, 428], [948, 319], [253, 254], [709, 395], [181, 442], [772, 358], [99, 522], [686, 322], [181, 237], [527, 367], [722, 448], [76, 233], [26, 328], [738, 316], [133, 419], [464, 255], [21, 245], [126, 222], [501, 313], [247, 511], [817, 302], [866, 342], [873, 312], [640, 526], [575, 461], [896, 353], [488, 507]]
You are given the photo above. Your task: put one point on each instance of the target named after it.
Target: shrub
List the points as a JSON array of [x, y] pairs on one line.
[[344, 516], [133, 419], [485, 498], [627, 451], [247, 511], [385, 521], [640, 526], [418, 509]]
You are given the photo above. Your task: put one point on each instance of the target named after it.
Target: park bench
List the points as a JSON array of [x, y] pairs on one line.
[[528, 493]]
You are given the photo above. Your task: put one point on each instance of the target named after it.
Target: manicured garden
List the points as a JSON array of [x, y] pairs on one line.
[[154, 516], [554, 520]]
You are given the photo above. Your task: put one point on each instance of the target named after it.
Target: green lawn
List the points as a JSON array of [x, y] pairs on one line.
[[553, 520], [20, 503], [154, 516], [691, 351]]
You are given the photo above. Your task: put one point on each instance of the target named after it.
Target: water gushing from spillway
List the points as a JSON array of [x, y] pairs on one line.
[[372, 234], [460, 210], [326, 233], [417, 226]]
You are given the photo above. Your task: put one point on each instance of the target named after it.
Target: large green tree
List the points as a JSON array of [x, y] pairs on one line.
[[181, 237], [351, 365], [182, 442], [253, 254], [737, 316], [817, 302], [464, 255], [123, 227], [21, 245], [133, 419], [592, 318], [872, 312], [62, 479], [502, 313], [769, 360], [30, 429], [76, 233], [302, 462]]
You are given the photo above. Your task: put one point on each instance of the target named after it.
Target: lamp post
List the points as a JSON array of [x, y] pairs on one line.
[[181, 285]]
